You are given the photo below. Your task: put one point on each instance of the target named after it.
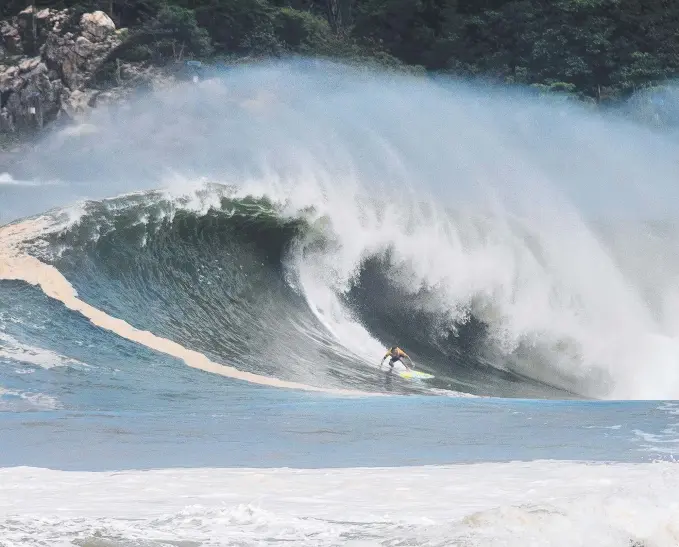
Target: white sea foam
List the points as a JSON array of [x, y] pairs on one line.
[[21, 401], [666, 441], [509, 504], [8, 180], [10, 348]]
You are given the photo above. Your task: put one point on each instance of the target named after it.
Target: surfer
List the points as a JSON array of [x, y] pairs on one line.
[[396, 355]]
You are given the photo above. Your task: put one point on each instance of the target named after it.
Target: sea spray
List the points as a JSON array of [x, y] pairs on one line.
[[489, 206]]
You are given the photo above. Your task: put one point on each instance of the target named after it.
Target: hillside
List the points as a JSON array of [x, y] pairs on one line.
[[59, 58]]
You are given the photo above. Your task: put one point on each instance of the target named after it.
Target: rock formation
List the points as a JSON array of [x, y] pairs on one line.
[[49, 64]]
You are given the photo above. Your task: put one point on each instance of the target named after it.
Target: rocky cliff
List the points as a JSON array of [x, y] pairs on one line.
[[55, 65]]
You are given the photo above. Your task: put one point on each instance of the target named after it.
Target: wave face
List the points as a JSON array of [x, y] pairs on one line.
[[237, 279], [512, 246], [213, 281]]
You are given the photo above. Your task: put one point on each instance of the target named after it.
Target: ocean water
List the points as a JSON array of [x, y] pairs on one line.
[[196, 290]]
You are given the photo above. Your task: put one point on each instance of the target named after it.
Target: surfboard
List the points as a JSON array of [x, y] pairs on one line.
[[414, 374]]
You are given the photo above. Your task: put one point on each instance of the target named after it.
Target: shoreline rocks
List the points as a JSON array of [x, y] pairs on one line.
[[50, 65]]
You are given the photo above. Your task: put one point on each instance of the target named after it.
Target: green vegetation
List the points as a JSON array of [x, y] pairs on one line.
[[599, 50]]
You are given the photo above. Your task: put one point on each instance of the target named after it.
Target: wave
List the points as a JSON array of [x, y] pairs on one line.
[[545, 502], [15, 264], [511, 246], [243, 279], [231, 279], [219, 281]]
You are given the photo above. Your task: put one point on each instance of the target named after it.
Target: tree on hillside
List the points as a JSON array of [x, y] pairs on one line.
[[603, 49]]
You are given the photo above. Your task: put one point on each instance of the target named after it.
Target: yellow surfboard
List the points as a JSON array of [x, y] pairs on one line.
[[414, 374]]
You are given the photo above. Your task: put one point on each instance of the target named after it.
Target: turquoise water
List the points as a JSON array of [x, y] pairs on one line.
[[249, 427]]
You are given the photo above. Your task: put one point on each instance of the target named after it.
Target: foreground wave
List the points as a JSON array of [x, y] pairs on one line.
[[513, 504]]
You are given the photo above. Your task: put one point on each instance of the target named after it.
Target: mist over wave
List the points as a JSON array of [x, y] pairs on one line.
[[500, 238]]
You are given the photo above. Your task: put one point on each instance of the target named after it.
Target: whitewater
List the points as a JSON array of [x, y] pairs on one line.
[[197, 287]]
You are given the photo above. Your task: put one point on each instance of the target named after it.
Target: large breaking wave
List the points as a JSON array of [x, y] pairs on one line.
[[512, 246], [240, 280]]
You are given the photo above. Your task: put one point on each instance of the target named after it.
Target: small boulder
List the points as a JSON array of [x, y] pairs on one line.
[[6, 122], [7, 78], [27, 65], [43, 15], [76, 104], [97, 26], [11, 38], [83, 47]]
